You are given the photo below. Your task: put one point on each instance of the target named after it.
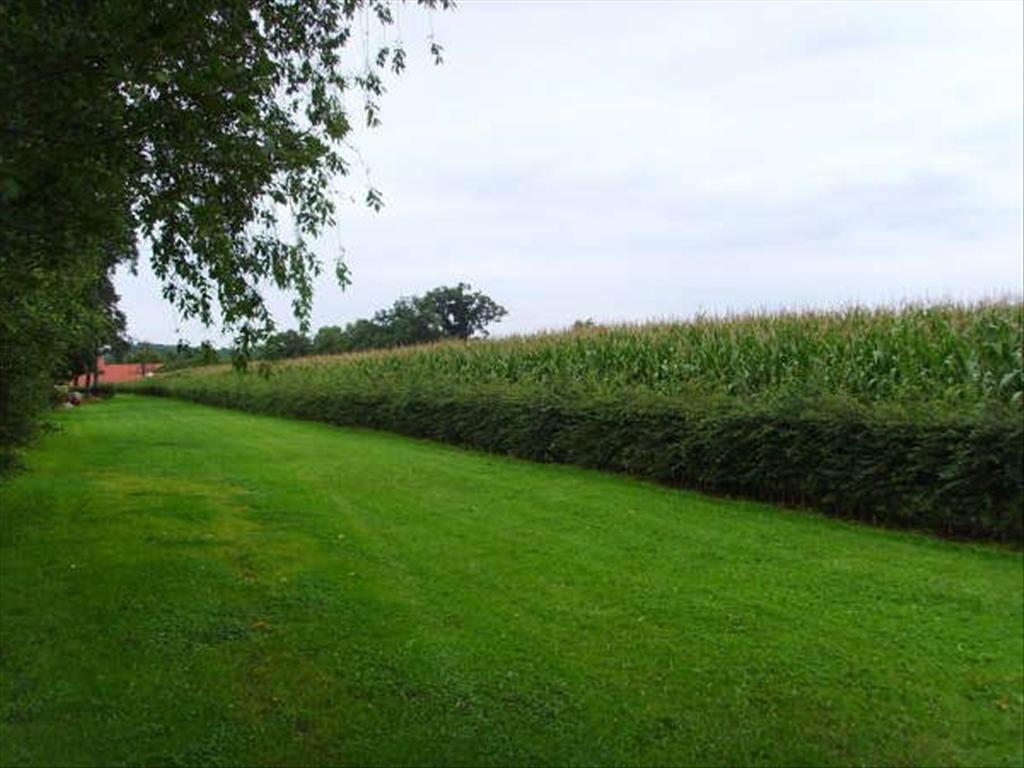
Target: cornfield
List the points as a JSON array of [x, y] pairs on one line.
[[952, 353]]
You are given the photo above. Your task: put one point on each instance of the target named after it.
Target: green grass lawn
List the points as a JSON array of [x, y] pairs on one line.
[[185, 585]]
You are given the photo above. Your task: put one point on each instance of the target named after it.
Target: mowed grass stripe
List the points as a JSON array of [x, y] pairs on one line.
[[186, 585]]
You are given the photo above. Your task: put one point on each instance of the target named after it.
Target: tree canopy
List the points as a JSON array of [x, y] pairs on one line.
[[206, 129], [286, 344], [460, 312], [443, 313]]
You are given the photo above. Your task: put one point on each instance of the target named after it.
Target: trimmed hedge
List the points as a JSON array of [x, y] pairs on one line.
[[955, 474]]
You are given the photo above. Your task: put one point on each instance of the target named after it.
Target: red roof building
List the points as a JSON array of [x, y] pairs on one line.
[[114, 373]]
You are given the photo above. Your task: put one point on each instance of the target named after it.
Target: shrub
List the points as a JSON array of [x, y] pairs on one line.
[[950, 474], [906, 418]]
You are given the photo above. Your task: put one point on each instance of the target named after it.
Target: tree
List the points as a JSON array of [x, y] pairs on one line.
[[460, 312], [443, 313], [207, 354], [194, 123], [98, 328], [185, 356], [143, 353], [407, 323], [365, 334], [202, 126], [330, 340], [286, 344]]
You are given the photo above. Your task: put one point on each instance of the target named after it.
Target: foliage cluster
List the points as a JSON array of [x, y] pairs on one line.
[[446, 312], [172, 356], [906, 417], [51, 329], [198, 127]]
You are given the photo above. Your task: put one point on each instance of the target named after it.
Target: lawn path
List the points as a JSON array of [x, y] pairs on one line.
[[187, 585]]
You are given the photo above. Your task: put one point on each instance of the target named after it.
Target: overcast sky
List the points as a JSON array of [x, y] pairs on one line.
[[624, 161]]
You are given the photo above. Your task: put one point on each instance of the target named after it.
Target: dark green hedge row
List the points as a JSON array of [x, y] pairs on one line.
[[953, 474]]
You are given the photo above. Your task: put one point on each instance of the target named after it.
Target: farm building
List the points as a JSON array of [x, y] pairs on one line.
[[113, 373]]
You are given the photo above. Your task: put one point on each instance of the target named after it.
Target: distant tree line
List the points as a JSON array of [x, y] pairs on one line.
[[446, 312]]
